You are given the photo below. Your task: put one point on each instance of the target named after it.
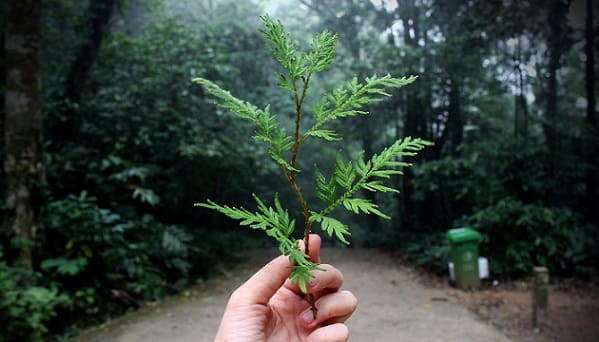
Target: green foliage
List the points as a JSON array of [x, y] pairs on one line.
[[430, 251], [99, 239], [348, 99], [347, 179], [513, 194], [103, 263], [25, 308], [518, 236], [64, 266], [352, 177]]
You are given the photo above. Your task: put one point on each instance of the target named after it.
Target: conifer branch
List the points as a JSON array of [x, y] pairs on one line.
[[347, 178], [347, 100], [352, 177]]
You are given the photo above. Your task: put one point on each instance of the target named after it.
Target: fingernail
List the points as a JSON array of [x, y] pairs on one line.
[[313, 283], [307, 316]]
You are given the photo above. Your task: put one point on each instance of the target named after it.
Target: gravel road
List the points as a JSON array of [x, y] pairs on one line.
[[392, 306]]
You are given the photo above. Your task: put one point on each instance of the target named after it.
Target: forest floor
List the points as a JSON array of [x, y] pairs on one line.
[[396, 302], [572, 313]]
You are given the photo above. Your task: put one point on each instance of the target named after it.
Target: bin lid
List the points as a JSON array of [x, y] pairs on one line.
[[458, 235]]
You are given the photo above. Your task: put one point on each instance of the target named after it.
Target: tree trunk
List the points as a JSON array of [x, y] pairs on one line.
[[23, 141], [99, 13], [520, 105], [590, 64], [558, 42], [453, 133], [591, 195], [415, 124]]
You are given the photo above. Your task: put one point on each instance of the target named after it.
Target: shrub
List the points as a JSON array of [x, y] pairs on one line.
[[518, 236], [25, 309]]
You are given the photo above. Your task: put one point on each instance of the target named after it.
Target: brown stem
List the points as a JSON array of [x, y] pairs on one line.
[[310, 299], [290, 175], [299, 101], [305, 209]]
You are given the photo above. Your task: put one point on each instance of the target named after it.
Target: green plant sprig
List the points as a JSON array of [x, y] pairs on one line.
[[347, 179]]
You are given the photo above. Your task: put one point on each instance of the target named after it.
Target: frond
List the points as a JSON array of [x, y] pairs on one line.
[[348, 99], [267, 128], [357, 175]]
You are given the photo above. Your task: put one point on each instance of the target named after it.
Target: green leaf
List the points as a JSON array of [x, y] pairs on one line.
[[301, 276], [275, 222], [323, 51], [327, 190], [283, 48], [353, 178], [64, 266], [358, 205], [347, 100], [386, 173], [375, 186], [302, 270], [331, 226], [325, 134], [267, 128], [344, 173]]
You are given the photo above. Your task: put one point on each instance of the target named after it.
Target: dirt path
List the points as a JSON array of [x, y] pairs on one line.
[[392, 306]]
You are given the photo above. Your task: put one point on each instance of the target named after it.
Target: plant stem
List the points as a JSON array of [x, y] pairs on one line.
[[290, 175], [299, 101]]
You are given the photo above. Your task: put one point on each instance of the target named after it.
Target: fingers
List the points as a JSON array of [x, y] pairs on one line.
[[264, 283], [333, 308], [315, 242], [331, 333], [326, 281]]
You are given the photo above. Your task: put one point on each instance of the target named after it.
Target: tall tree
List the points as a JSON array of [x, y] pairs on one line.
[[23, 155], [558, 43], [590, 64], [591, 196], [520, 105], [98, 14]]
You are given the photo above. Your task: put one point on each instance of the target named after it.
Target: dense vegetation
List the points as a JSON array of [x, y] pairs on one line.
[[506, 91]]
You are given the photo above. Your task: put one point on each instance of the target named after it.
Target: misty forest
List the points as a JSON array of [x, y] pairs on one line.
[[107, 142]]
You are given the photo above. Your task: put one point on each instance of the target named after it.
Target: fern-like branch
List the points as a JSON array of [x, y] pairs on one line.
[[347, 179], [349, 99], [354, 176], [277, 224], [267, 128]]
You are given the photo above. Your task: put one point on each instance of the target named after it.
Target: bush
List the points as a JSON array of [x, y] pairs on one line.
[[518, 236], [108, 263], [513, 194], [25, 309], [430, 251]]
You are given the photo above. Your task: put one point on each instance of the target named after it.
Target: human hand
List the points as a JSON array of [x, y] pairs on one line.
[[268, 307]]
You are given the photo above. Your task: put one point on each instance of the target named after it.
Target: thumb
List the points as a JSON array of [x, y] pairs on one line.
[[264, 283], [269, 279]]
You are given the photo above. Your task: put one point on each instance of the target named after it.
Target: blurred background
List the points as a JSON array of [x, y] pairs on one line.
[[102, 164]]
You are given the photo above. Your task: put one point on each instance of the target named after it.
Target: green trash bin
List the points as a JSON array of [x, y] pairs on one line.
[[463, 251]]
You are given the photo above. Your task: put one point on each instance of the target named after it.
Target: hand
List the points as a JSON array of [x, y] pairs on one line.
[[268, 307]]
